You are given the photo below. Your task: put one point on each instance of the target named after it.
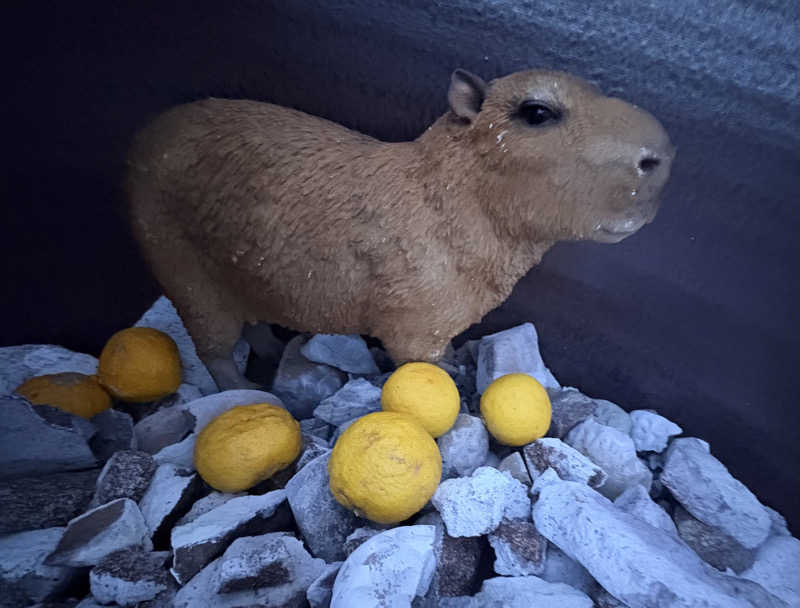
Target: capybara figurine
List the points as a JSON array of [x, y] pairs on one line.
[[250, 212]]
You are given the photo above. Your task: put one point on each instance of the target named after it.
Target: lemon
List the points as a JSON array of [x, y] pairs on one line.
[[425, 392], [246, 445], [75, 393], [516, 409], [140, 364], [385, 467]]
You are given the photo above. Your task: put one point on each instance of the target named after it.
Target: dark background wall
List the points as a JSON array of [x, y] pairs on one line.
[[695, 316]]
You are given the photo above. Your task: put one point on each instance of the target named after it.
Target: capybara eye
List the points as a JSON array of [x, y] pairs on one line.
[[537, 114]]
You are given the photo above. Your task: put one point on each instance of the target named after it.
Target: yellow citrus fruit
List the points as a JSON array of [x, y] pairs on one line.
[[425, 392], [246, 445], [385, 467], [75, 393], [140, 364], [516, 409]]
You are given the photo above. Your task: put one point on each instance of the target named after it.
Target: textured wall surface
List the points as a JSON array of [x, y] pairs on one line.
[[696, 315]]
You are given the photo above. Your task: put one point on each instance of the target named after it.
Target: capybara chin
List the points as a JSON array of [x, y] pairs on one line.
[[251, 212]]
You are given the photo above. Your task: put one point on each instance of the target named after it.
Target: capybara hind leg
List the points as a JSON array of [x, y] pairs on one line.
[[403, 349]]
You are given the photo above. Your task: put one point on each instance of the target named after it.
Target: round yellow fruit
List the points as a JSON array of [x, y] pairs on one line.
[[425, 392], [140, 364], [385, 467], [246, 445], [75, 393], [516, 409]]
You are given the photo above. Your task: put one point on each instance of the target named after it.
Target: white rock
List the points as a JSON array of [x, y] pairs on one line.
[[348, 353], [570, 407], [566, 461], [320, 591], [359, 536], [163, 316], [171, 490], [610, 414], [90, 537], [180, 454], [514, 465], [651, 432], [776, 568], [355, 399], [475, 505], [636, 501], [163, 428], [530, 592], [561, 568], [706, 489], [464, 447], [612, 451], [206, 504], [24, 576], [514, 350], [205, 409], [519, 549], [128, 577], [391, 568], [197, 542], [20, 363]]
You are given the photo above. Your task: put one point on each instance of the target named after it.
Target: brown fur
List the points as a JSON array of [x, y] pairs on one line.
[[252, 212]]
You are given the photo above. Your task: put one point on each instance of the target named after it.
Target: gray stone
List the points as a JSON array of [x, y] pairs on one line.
[[493, 461], [163, 316], [205, 409], [166, 426], [776, 568], [566, 461], [323, 522], [561, 568], [518, 548], [114, 433], [339, 430], [44, 501], [515, 465], [312, 447], [269, 560], [29, 445], [464, 447], [302, 384], [320, 591], [206, 504], [529, 592], [610, 414], [603, 599], [348, 353], [651, 432], [635, 562], [180, 454], [316, 427], [514, 350], [397, 564], [171, 491], [570, 407], [475, 505], [358, 537], [197, 542], [88, 602], [779, 527], [126, 475], [706, 489], [21, 363], [90, 537], [24, 577], [612, 451], [713, 545], [636, 501], [355, 399], [58, 417], [129, 576]]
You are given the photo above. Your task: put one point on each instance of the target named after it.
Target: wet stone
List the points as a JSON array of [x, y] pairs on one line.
[[570, 407], [519, 549], [713, 545], [355, 399], [464, 447], [114, 433], [566, 461], [129, 577], [651, 432], [127, 474], [348, 353]]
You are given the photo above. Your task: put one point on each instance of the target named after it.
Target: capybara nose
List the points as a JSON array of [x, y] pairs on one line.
[[648, 163]]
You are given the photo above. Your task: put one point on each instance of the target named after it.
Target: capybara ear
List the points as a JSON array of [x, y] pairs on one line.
[[466, 94]]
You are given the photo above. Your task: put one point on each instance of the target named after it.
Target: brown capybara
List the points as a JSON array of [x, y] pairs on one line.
[[250, 212]]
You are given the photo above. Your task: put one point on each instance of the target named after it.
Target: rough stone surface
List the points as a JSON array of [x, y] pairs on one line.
[[570, 407], [458, 561], [312, 447], [636, 501], [302, 384], [355, 399], [90, 537], [397, 564], [464, 447], [44, 501], [205, 409], [779, 527], [514, 350], [180, 454], [270, 560], [129, 576], [776, 568], [475, 505], [706, 489], [320, 591], [635, 562], [171, 491], [518, 548], [610, 414], [114, 433], [126, 475], [603, 599], [529, 592], [348, 353], [20, 363], [358, 537], [515, 466], [166, 426], [316, 427], [651, 432], [24, 577], [323, 522], [198, 541], [713, 545], [163, 316], [561, 568], [206, 504], [566, 461], [612, 451], [58, 447]]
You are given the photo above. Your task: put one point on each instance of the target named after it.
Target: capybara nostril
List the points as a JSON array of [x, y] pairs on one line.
[[648, 164]]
